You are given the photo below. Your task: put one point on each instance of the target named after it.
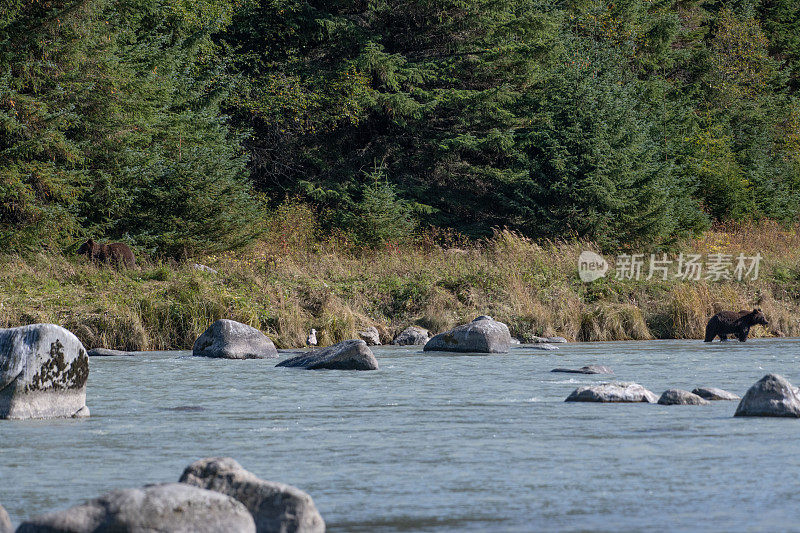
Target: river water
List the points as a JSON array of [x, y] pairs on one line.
[[437, 442]]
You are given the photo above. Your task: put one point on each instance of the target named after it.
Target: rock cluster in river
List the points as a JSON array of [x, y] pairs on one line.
[[43, 373], [174, 507], [214, 495], [228, 339], [772, 395], [482, 335], [276, 508], [680, 397], [346, 355]]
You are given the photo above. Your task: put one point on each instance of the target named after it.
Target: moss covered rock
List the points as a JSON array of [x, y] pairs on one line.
[[43, 373]]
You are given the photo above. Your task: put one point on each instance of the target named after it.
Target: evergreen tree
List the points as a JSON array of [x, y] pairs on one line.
[[105, 106], [597, 167]]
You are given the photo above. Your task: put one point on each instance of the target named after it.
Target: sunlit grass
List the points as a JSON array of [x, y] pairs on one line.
[[292, 281]]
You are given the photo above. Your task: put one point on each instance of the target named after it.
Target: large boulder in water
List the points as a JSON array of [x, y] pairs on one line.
[[482, 335], [412, 335], [613, 393], [228, 339], [714, 394], [347, 355], [772, 395], [276, 508], [681, 397], [5, 522], [43, 372], [173, 507]]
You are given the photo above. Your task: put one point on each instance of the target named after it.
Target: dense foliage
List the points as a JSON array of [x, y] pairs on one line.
[[174, 123]]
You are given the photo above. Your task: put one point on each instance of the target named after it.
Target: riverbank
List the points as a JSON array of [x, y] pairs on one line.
[[290, 283]]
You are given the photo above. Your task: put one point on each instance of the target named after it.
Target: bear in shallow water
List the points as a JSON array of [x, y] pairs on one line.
[[117, 253], [725, 323]]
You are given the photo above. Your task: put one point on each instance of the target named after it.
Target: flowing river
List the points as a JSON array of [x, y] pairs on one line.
[[437, 442]]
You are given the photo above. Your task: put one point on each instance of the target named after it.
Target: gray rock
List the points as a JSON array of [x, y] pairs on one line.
[[482, 335], [772, 395], [105, 352], [412, 335], [681, 397], [370, 336], [203, 268], [613, 392], [5, 522], [228, 339], [43, 372], [347, 355], [169, 507], [711, 393], [276, 508], [515, 341], [590, 369], [545, 347]]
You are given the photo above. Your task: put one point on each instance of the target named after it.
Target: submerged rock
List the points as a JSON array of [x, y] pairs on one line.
[[276, 508], [347, 355], [185, 409], [545, 347], [173, 507], [772, 395], [712, 394], [482, 335], [43, 372], [105, 352], [228, 339], [590, 369], [5, 522], [681, 397], [412, 335], [547, 340], [613, 392], [370, 336]]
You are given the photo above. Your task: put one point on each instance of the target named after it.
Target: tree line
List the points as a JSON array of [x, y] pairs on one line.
[[178, 124]]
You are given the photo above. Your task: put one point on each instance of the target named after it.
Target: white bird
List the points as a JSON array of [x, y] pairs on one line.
[[312, 338]]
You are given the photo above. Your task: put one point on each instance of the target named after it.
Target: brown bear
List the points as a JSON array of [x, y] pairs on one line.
[[117, 253], [725, 323]]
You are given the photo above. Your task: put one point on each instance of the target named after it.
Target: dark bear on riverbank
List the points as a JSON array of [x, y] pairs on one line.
[[116, 253], [725, 323]]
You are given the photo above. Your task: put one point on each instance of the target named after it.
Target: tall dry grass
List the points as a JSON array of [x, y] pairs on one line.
[[293, 281]]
